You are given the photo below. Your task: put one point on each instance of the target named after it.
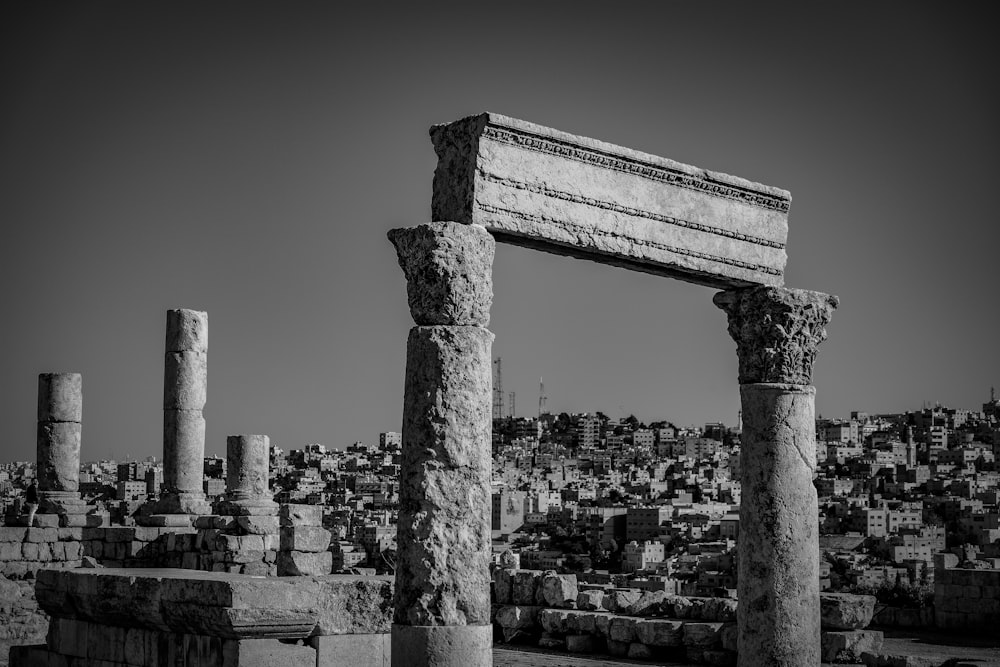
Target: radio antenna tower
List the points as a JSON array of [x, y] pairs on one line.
[[542, 398], [497, 390], [512, 406]]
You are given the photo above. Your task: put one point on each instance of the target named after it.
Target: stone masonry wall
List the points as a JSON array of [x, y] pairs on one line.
[[554, 611], [967, 599]]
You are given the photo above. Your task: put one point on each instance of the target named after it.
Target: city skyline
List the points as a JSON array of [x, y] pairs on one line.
[[248, 161]]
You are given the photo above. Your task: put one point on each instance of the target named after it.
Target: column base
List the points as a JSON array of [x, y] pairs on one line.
[[62, 502], [247, 507], [442, 645], [182, 503]]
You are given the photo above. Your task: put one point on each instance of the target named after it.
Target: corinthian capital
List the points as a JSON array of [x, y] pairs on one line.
[[777, 331]]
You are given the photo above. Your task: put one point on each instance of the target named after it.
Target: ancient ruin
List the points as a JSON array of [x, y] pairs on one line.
[[247, 582], [538, 187]]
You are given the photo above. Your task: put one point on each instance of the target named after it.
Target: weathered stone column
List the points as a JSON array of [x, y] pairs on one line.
[[60, 416], [442, 598], [247, 467], [777, 331], [185, 386]]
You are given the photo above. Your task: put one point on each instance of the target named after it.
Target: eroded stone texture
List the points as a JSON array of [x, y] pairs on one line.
[[449, 272], [247, 464], [60, 397], [442, 575], [59, 456], [187, 330], [777, 331], [185, 387], [843, 611], [535, 186], [779, 532]]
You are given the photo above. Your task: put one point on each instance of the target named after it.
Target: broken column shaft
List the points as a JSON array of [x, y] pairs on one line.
[[442, 598], [60, 415], [247, 467], [185, 383], [777, 332]]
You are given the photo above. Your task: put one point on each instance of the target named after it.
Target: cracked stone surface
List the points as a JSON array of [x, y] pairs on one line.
[[779, 611], [443, 557], [449, 272]]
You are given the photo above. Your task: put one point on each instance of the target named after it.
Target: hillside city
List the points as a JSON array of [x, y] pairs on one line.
[[653, 505]]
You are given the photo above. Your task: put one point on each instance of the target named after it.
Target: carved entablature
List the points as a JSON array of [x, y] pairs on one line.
[[777, 331]]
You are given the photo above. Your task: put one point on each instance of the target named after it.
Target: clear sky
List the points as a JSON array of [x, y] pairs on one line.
[[247, 159]]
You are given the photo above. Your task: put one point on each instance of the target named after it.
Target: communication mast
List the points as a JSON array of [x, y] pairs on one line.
[[497, 389], [542, 398], [512, 405]]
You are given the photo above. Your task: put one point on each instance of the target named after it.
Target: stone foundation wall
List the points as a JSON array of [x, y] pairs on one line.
[[555, 611], [967, 599]]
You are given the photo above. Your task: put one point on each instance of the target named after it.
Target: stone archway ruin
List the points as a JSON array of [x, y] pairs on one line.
[[520, 183]]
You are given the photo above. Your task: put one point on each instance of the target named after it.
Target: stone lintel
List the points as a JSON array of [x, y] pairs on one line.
[[538, 187], [777, 331]]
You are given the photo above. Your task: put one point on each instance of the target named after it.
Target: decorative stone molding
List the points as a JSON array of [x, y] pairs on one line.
[[777, 331], [449, 272]]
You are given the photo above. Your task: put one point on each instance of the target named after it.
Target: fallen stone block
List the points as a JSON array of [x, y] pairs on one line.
[[559, 590], [849, 645], [637, 651], [660, 632], [503, 585], [357, 650], [300, 515], [353, 604], [650, 603], [591, 599], [549, 641], [617, 648], [719, 609], [300, 563], [622, 629], [843, 611], [526, 586], [677, 606], [620, 599], [304, 538], [581, 644], [517, 617], [702, 634], [554, 620]]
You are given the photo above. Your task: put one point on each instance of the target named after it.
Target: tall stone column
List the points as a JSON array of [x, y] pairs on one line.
[[442, 598], [60, 416], [777, 331], [185, 386]]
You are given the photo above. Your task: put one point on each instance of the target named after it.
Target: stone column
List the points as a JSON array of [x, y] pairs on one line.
[[247, 467], [442, 598], [60, 415], [777, 332], [185, 385]]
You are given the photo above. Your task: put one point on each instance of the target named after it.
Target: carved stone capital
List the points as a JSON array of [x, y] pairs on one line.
[[777, 331], [449, 272]]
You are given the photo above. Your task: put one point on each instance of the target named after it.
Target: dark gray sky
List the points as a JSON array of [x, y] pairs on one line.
[[248, 158]]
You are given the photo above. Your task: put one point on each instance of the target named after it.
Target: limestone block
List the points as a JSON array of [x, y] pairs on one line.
[[525, 586], [41, 535], [554, 620], [581, 644], [535, 186], [259, 525], [729, 636], [503, 585], [47, 520], [58, 446], [719, 609], [559, 590], [552, 642], [617, 648], [353, 604], [12, 533], [185, 380], [622, 629], [659, 632], [187, 330], [849, 645], [299, 563], [60, 397], [300, 515], [517, 617], [843, 611], [620, 599], [638, 651], [591, 599], [363, 650], [255, 569], [649, 603], [305, 538], [268, 653], [10, 551], [249, 556], [29, 551], [449, 272], [443, 645], [444, 488], [717, 656], [702, 635]]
